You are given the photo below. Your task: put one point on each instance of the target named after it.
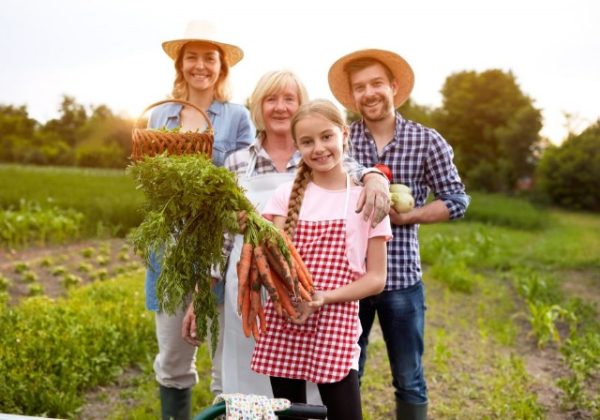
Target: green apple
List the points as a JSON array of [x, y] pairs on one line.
[[402, 202]]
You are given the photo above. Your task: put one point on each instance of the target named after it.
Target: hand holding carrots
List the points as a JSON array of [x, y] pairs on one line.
[[275, 265]]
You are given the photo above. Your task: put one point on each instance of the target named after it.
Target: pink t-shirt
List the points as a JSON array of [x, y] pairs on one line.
[[322, 204]]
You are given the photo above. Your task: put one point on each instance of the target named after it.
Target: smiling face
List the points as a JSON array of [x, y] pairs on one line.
[[278, 109], [200, 66], [320, 142], [373, 92]]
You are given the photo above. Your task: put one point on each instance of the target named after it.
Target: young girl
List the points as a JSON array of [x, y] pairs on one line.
[[316, 211]]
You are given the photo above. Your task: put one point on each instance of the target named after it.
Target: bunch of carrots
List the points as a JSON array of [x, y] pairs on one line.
[[283, 274]]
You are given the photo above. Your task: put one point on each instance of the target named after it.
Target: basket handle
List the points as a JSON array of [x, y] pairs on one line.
[[164, 101]]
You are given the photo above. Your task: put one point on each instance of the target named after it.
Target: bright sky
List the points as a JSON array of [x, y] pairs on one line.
[[108, 51]]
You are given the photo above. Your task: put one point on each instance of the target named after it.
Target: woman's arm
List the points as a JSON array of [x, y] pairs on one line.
[[370, 283]]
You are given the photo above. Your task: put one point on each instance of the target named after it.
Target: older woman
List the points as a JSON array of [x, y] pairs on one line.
[[202, 70], [261, 167]]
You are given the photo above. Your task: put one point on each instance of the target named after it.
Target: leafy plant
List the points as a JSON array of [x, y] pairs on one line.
[[46, 262], [35, 289], [29, 277], [21, 267], [87, 252], [59, 270], [70, 280], [84, 267], [4, 283], [102, 260], [101, 274], [543, 320]]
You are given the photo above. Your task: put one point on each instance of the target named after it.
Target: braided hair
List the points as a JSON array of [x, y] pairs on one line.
[[303, 177]]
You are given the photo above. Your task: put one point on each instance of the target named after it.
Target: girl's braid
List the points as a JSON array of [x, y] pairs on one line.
[[303, 177]]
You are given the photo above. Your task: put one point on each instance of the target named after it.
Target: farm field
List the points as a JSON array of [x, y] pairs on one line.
[[513, 328]]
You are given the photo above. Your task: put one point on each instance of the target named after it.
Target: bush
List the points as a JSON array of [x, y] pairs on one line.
[[569, 174], [52, 351]]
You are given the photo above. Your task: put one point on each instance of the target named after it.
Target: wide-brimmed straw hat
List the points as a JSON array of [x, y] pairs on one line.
[[339, 79], [203, 31]]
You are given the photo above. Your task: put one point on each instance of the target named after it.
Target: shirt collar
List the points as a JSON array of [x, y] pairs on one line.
[[256, 147], [216, 107], [174, 110]]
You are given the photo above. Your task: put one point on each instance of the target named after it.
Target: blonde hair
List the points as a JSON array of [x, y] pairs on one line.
[[180, 86], [269, 84], [329, 111]]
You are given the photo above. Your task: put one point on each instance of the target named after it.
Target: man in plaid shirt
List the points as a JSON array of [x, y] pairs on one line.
[[374, 83]]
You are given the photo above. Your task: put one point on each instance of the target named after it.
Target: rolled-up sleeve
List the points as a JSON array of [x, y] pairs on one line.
[[443, 178]]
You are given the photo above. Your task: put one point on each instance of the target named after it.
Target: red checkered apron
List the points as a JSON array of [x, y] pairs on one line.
[[322, 349]]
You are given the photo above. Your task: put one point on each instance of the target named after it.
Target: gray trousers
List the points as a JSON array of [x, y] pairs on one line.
[[175, 363]]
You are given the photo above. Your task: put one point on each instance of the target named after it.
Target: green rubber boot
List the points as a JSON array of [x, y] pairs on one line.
[[409, 411], [175, 404]]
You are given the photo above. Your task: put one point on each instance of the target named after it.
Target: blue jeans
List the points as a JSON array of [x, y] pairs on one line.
[[401, 315]]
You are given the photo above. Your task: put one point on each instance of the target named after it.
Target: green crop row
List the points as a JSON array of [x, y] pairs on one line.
[[107, 198], [30, 224], [52, 351]]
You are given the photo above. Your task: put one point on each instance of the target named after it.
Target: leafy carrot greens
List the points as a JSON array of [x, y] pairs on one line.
[[190, 204]]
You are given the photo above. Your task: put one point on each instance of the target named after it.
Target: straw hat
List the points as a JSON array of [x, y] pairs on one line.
[[203, 31], [340, 85]]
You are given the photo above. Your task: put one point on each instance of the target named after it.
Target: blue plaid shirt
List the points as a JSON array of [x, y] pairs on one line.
[[421, 159]]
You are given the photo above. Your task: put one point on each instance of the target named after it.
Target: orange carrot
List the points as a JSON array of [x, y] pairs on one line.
[[304, 294], [278, 263], [264, 272], [246, 315], [303, 280], [262, 319], [284, 297], [243, 270], [255, 331], [300, 266]]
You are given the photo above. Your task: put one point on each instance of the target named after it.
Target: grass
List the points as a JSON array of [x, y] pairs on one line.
[[107, 198], [480, 275]]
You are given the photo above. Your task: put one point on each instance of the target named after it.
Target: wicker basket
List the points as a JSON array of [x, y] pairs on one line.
[[152, 142]]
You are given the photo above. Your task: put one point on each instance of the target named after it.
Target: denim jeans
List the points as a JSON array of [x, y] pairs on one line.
[[401, 315]]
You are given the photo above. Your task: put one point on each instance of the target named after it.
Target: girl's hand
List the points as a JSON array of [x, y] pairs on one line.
[[318, 300], [306, 309]]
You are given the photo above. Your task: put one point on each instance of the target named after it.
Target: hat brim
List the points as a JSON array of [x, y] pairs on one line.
[[232, 53], [339, 82]]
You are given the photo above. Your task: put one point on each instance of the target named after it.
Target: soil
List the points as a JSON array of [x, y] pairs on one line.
[[54, 267]]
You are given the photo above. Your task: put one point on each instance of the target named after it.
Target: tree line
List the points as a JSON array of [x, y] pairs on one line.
[[492, 125], [80, 136]]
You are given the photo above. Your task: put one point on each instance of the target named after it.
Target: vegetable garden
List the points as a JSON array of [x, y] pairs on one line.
[[513, 328]]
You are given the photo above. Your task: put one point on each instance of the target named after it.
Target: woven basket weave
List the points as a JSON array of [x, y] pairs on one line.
[[152, 142]]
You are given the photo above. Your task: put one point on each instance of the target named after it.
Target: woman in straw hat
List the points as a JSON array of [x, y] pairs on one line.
[[202, 73]]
